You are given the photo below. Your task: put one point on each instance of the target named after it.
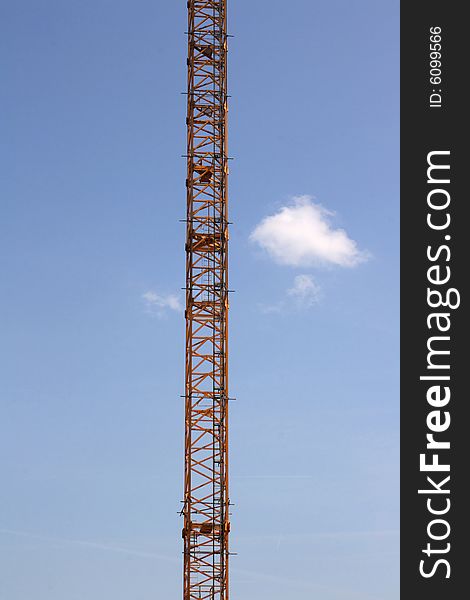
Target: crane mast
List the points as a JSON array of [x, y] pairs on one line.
[[206, 500]]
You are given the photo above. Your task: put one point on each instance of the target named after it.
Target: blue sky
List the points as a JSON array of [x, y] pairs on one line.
[[92, 263]]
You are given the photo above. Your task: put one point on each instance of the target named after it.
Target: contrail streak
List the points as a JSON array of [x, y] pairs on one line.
[[90, 544]]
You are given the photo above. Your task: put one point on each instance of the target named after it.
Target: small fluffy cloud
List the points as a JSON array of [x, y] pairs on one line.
[[159, 304], [305, 292], [301, 234]]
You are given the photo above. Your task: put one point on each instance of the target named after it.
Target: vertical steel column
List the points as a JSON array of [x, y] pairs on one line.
[[206, 500]]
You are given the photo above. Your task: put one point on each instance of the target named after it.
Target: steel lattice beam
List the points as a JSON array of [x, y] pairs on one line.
[[206, 500]]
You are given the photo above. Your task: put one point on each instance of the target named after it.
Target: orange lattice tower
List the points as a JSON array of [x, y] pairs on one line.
[[206, 500]]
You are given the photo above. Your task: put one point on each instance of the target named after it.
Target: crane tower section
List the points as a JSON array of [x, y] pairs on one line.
[[206, 500]]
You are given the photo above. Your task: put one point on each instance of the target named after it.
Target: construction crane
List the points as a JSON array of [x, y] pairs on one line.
[[206, 500]]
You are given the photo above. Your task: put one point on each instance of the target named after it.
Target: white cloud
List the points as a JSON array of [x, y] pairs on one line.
[[301, 234], [269, 309], [305, 292], [159, 304]]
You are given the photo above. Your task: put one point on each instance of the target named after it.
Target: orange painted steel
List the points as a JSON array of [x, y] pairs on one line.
[[206, 500]]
